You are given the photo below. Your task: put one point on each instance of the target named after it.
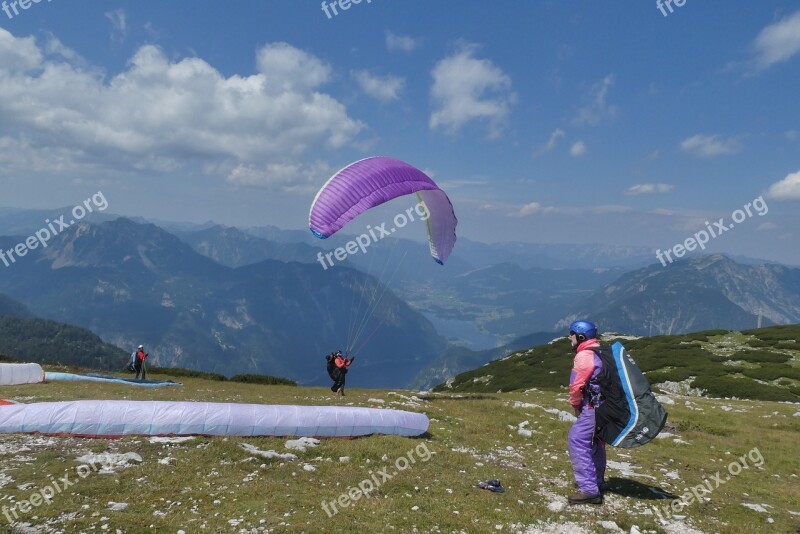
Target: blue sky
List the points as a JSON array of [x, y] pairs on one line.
[[546, 121]]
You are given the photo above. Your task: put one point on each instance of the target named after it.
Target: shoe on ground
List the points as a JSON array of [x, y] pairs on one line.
[[584, 498], [492, 485], [602, 488]]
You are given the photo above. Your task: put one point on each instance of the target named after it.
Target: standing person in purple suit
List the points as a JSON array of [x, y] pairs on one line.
[[586, 450]]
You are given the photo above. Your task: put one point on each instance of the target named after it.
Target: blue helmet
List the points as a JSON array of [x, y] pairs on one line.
[[583, 330]]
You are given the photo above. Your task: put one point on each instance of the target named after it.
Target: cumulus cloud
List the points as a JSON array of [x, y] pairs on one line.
[[466, 88], [710, 146], [164, 114], [19, 54], [596, 108], [786, 189], [778, 42], [297, 177], [286, 68], [400, 42], [649, 189], [384, 88], [578, 149]]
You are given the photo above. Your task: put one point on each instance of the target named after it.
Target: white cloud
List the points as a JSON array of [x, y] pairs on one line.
[[649, 189], [163, 114], [466, 88], [532, 208], [552, 142], [578, 149], [286, 68], [778, 42], [767, 226], [282, 176], [119, 27], [400, 42], [19, 156], [18, 55], [792, 135], [595, 108], [384, 89], [710, 146], [786, 189]]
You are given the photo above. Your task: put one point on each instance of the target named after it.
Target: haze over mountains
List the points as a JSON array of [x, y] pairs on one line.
[[251, 300]]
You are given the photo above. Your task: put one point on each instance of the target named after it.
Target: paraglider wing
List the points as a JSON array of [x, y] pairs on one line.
[[97, 377], [370, 182], [114, 418], [12, 374]]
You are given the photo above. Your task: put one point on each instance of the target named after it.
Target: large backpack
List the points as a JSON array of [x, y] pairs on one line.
[[333, 371], [630, 415]]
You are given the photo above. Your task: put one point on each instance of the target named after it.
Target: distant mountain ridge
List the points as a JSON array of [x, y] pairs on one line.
[[136, 283], [231, 247], [695, 294]]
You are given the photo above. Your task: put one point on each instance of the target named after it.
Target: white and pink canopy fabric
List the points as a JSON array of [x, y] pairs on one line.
[[115, 418]]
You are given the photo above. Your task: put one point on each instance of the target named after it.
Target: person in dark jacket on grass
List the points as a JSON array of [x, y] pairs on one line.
[[139, 365], [337, 370]]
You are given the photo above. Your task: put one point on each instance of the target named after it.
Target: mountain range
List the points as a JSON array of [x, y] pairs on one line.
[[136, 283], [233, 301], [695, 294]]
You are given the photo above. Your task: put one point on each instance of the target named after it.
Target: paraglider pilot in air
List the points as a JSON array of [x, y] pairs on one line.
[[337, 370], [586, 450]]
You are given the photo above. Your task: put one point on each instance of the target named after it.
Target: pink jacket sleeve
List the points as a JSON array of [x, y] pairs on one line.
[[582, 370]]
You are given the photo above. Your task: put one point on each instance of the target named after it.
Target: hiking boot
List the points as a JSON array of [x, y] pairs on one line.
[[583, 498], [602, 487]]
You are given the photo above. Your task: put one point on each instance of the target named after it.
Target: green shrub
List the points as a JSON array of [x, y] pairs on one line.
[[263, 379], [742, 388], [773, 372], [760, 356], [188, 373], [704, 335], [676, 374], [760, 343]]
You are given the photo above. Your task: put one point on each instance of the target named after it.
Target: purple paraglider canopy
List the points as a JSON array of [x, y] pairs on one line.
[[372, 181]]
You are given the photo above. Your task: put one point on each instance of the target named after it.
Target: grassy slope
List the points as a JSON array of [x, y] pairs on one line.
[[213, 485], [759, 364]]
